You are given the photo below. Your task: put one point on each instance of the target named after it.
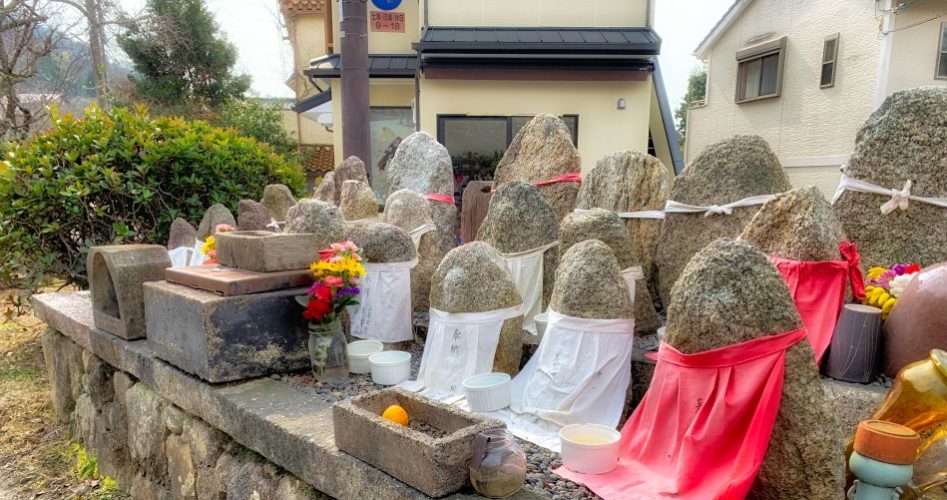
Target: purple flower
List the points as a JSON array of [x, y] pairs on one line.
[[348, 291], [899, 269]]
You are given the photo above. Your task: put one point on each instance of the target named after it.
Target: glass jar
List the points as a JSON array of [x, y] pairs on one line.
[[498, 466], [327, 345]]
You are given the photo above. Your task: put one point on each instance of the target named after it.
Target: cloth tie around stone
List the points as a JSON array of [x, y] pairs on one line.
[[441, 198], [384, 309], [638, 214], [578, 375], [631, 276], [459, 345], [704, 425], [900, 199], [420, 231], [526, 268], [727, 209]]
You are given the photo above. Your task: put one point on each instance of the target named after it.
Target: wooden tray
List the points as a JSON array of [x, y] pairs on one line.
[[229, 282]]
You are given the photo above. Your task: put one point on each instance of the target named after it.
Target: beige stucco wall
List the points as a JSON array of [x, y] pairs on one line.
[[914, 49], [591, 13], [308, 38], [811, 129], [386, 43], [603, 129]]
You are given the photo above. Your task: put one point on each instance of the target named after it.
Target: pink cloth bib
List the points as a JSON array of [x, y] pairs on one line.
[[818, 288], [702, 429]]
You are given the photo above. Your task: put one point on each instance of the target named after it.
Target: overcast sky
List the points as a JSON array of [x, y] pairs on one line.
[[254, 27]]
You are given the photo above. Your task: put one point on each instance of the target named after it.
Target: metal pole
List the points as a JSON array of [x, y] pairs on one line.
[[354, 68]]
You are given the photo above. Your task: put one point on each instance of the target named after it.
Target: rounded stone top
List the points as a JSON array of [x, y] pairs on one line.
[[730, 170], [542, 150], [473, 278], [422, 165], [278, 199], [519, 219], [316, 217], [589, 284], [728, 293], [597, 224], [625, 181], [797, 224], [381, 242], [408, 210]]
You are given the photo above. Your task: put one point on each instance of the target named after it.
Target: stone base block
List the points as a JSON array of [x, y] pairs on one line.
[[222, 339], [436, 466], [116, 275], [265, 251]]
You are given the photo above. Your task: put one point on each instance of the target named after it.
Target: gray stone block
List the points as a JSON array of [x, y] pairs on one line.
[[223, 339], [436, 466], [266, 251], [116, 274]]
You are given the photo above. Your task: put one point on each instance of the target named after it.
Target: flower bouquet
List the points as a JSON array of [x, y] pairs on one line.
[[886, 285], [336, 274], [209, 248]]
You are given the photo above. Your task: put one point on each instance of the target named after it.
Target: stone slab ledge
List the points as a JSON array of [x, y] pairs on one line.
[[284, 425]]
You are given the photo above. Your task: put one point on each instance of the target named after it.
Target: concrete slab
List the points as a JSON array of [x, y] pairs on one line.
[[230, 282], [286, 426], [224, 339]]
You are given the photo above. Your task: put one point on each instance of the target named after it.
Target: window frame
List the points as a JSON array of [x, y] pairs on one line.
[[833, 62], [938, 70], [758, 52], [442, 119]]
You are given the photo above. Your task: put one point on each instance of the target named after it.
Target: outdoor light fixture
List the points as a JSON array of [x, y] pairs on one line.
[[622, 103]]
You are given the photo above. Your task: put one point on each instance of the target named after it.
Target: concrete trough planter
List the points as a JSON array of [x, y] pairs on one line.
[[265, 251], [436, 466]]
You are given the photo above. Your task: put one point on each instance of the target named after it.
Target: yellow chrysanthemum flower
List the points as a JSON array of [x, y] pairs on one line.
[[876, 272], [210, 244]]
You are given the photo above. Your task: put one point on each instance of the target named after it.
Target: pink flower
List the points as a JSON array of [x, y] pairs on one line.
[[333, 281]]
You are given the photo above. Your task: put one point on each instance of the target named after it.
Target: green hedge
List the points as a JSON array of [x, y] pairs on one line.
[[118, 177]]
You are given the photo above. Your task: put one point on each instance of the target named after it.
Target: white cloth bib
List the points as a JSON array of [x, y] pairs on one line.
[[527, 271], [900, 199], [384, 309], [459, 345], [631, 276], [673, 207], [579, 374], [420, 231], [638, 214], [181, 256]]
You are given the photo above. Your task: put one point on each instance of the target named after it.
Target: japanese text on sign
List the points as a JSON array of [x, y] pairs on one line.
[[387, 22]]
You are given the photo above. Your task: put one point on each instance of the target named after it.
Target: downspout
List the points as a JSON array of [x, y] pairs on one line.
[[356, 140], [417, 74], [884, 62]]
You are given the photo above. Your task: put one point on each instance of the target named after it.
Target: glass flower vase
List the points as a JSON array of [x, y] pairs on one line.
[[327, 352]]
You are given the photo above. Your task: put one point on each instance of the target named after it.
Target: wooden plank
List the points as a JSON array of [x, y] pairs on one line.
[[228, 281]]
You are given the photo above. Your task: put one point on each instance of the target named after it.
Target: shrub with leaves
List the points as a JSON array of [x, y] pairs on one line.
[[259, 120], [118, 177]]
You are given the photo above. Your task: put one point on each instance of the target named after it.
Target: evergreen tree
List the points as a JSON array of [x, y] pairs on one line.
[[696, 92], [180, 56]]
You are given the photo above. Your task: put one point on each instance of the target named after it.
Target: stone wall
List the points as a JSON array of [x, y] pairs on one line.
[[152, 448]]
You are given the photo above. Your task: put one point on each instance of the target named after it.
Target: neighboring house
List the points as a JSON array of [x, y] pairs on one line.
[[473, 72], [805, 75]]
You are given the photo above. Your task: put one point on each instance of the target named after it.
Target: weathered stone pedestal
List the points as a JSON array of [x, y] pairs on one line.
[[265, 251], [116, 274], [223, 339]]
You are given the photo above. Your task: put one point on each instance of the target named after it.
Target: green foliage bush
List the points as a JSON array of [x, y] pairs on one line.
[[118, 177], [258, 120]]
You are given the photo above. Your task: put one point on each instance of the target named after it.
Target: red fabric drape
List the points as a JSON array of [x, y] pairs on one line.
[[573, 177], [441, 198], [703, 427]]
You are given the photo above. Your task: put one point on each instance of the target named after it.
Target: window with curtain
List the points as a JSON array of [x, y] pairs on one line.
[[759, 71]]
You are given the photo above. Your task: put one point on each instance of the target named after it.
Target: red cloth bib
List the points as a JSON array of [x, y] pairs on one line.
[[441, 198], [702, 429], [818, 288]]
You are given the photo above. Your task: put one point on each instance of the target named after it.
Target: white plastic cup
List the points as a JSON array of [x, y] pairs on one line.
[[487, 391], [589, 448], [358, 353], [541, 320], [390, 367]]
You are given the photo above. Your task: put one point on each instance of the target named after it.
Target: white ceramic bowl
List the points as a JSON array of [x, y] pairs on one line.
[[487, 391], [358, 353], [390, 367], [589, 448], [541, 320]]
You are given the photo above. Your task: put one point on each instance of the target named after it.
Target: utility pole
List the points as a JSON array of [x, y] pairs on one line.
[[97, 49], [354, 69]]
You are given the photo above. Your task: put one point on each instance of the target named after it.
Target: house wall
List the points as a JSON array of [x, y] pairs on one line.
[[914, 48], [591, 13], [594, 102], [382, 92], [811, 129], [308, 38]]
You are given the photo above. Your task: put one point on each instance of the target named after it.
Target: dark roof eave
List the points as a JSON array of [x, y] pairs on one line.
[[649, 49], [312, 102]]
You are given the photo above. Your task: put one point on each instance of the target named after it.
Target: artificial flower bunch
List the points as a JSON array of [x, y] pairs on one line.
[[886, 285], [337, 274], [209, 248]]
